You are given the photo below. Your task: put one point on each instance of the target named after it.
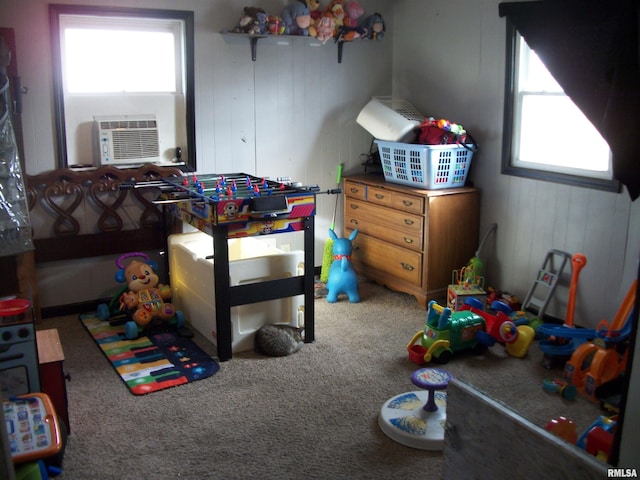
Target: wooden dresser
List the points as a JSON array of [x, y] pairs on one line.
[[410, 239]]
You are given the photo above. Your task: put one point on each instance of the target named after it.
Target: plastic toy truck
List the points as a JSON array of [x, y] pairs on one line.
[[470, 328], [446, 332]]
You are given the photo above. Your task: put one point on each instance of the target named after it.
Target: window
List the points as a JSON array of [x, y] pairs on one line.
[[122, 62], [137, 61], [546, 136]]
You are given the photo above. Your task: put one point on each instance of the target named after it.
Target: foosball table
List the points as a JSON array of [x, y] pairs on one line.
[[240, 205]]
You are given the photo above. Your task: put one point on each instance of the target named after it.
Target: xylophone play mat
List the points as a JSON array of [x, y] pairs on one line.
[[154, 361]]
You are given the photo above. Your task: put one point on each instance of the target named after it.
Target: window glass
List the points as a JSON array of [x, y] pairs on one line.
[[136, 61], [546, 134]]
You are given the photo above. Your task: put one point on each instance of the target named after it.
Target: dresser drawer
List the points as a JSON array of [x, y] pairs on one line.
[[360, 214], [398, 200], [358, 218], [399, 262], [354, 190]]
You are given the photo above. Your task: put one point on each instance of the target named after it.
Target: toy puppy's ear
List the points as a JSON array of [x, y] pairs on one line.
[[120, 276], [153, 265]]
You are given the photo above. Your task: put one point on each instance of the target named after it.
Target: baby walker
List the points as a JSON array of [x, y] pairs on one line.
[[143, 301]]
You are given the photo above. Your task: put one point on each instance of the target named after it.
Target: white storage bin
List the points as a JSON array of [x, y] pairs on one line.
[[390, 119], [250, 260]]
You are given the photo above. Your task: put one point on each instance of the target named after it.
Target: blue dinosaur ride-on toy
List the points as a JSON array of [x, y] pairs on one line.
[[342, 277], [143, 301]]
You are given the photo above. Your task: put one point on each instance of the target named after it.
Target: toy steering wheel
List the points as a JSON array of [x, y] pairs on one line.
[[129, 255]]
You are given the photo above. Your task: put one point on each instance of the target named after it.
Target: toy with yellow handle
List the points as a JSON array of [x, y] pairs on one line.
[[420, 354], [327, 256]]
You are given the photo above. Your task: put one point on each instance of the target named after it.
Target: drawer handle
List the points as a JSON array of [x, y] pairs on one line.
[[407, 203], [408, 240], [354, 190], [408, 267], [354, 206], [408, 221], [379, 196], [353, 221]]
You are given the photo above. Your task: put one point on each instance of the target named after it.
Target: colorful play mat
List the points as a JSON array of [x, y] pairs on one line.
[[155, 360]]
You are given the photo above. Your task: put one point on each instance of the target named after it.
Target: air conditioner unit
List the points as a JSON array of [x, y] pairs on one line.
[[126, 139]]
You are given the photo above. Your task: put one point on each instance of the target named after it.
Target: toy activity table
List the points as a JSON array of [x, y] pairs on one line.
[[237, 205]]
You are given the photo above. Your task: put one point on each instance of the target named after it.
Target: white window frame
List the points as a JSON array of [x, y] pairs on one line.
[[569, 166]]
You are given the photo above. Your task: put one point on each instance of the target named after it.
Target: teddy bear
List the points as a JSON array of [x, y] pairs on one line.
[[296, 18], [146, 297], [253, 21], [314, 11]]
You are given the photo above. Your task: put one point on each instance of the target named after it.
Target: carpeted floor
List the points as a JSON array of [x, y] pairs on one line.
[[312, 415]]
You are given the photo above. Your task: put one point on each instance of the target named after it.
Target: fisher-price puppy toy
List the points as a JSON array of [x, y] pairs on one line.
[[342, 276], [143, 300]]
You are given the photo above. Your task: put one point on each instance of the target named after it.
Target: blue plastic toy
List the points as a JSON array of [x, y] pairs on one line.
[[342, 277]]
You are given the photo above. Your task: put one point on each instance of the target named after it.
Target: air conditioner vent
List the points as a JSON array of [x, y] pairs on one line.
[[135, 144], [127, 140]]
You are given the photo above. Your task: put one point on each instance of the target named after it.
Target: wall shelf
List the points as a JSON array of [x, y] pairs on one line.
[[234, 38]]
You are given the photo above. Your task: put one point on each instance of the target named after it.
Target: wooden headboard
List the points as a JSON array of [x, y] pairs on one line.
[[78, 214]]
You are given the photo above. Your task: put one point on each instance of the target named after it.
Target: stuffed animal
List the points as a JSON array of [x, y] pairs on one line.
[[145, 298], [351, 30], [342, 276], [253, 21], [336, 8], [353, 12], [326, 27], [296, 18], [314, 11], [276, 26], [375, 26]]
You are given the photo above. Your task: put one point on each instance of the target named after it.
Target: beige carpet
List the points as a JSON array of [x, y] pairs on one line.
[[312, 415]]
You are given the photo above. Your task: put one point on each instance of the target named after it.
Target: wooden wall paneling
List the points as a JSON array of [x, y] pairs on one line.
[[557, 218], [270, 109], [597, 246]]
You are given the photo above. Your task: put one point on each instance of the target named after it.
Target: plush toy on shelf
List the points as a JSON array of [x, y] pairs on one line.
[[351, 30], [375, 26], [336, 8], [353, 12], [326, 27], [296, 18], [253, 21], [314, 11]]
